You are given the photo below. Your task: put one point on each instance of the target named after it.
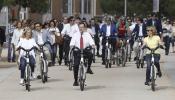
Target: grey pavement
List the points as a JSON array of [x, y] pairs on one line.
[[117, 83]]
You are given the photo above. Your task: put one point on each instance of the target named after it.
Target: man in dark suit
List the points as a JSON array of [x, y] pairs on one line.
[[2, 39], [60, 27], [154, 21], [139, 32], [108, 30], [96, 29]]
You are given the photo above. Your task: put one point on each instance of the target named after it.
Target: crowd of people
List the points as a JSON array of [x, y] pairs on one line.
[[73, 31]]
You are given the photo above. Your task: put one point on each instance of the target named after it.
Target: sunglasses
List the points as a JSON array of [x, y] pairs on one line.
[[149, 30], [37, 26]]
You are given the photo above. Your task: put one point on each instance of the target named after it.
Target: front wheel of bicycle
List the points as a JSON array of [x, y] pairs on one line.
[[81, 80], [42, 71], [28, 74]]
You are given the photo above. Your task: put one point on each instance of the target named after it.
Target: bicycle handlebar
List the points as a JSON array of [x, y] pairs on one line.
[[27, 50], [41, 45]]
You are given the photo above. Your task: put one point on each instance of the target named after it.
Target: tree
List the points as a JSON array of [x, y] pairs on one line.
[[39, 6], [140, 7]]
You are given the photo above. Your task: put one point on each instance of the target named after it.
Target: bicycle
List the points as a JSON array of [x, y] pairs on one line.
[[43, 63], [153, 72], [121, 54], [108, 54], [140, 60], [27, 72], [71, 59], [82, 67]]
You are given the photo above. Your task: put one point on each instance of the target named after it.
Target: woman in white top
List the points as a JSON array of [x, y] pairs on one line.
[[15, 38], [26, 42], [53, 30]]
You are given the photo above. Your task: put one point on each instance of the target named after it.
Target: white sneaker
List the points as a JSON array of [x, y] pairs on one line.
[[21, 81]]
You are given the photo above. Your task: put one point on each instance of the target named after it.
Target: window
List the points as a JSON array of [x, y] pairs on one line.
[[87, 6], [65, 6]]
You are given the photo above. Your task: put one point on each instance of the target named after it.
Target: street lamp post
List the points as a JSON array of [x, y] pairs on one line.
[[125, 10]]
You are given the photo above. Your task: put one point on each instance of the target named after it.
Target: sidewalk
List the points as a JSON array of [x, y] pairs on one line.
[[4, 63]]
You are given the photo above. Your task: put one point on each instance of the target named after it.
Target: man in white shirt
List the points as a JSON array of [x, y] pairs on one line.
[[68, 32], [15, 38], [81, 40], [41, 36]]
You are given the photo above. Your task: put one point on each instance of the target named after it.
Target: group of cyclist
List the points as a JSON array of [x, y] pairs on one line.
[[73, 32]]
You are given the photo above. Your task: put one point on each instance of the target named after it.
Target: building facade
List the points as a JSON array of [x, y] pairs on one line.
[[82, 8]]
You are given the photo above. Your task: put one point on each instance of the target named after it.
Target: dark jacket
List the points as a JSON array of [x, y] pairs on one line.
[[157, 24], [136, 30]]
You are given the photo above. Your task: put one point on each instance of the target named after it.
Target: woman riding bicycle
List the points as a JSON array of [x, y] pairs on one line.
[[152, 41], [26, 42]]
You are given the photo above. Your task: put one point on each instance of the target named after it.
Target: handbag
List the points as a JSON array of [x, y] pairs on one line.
[[59, 39]]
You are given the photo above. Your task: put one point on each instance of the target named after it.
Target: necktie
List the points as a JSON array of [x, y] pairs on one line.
[[81, 42]]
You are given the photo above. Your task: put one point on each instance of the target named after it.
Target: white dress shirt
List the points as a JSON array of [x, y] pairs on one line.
[[108, 31], [27, 44], [70, 30], [53, 35], [140, 30], [16, 36], [87, 40]]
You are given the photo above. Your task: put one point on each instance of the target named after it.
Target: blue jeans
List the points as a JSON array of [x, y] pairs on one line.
[[53, 52], [23, 64]]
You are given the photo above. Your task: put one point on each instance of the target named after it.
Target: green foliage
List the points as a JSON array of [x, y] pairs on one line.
[[36, 6], [140, 7], [39, 6]]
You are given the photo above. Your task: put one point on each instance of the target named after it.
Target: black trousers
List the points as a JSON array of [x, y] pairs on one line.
[[66, 49], [97, 40], [60, 52], [77, 56]]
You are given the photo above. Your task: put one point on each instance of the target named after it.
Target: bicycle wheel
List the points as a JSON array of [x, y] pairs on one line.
[[45, 71], [70, 65], [81, 80], [107, 63], [138, 59], [142, 63], [42, 71], [123, 57], [153, 79], [93, 55], [28, 74], [127, 52], [118, 58]]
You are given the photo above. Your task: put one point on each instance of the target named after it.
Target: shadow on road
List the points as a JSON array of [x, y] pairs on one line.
[[94, 87]]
